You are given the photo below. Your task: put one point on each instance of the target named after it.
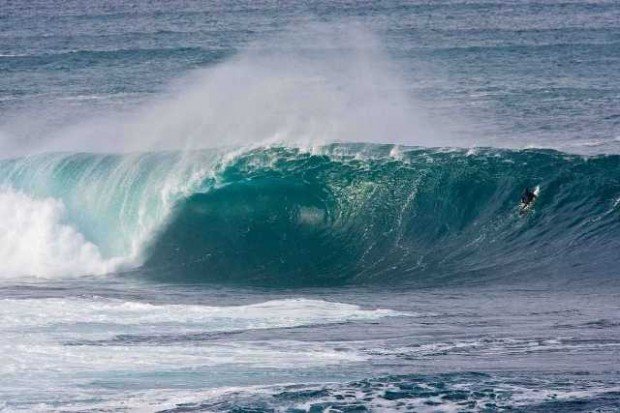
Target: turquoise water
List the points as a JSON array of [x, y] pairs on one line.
[[344, 214], [271, 207]]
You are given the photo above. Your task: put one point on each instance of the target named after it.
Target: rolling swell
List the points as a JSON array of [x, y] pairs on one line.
[[371, 213]]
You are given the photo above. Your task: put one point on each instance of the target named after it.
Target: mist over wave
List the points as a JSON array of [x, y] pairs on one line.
[[310, 84], [93, 214]]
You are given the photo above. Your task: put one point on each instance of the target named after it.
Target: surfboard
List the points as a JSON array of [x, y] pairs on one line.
[[523, 207]]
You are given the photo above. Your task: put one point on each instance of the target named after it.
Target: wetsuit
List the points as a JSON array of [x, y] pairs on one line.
[[528, 196]]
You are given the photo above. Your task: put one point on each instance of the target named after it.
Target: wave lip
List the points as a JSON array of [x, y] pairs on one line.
[[88, 214]]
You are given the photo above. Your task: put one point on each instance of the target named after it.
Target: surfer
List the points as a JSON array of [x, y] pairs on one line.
[[527, 197]]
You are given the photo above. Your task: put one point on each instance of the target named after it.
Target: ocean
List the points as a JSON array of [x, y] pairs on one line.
[[309, 206]]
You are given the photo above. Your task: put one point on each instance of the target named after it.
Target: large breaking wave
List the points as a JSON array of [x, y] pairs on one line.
[[339, 214]]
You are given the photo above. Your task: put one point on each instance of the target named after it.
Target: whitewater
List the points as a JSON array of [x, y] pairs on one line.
[[309, 207]]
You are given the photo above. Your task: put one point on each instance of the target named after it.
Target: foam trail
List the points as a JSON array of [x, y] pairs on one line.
[[130, 328], [55, 348], [128, 317]]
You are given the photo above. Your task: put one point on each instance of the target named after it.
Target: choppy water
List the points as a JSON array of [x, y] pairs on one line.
[[116, 345], [178, 231]]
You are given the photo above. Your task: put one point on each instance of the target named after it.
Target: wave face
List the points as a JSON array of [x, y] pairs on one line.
[[341, 214]]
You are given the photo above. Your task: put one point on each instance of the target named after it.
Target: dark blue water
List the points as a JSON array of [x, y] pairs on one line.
[[178, 231], [541, 73]]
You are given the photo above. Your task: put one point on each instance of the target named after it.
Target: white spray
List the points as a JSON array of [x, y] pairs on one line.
[[305, 87]]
